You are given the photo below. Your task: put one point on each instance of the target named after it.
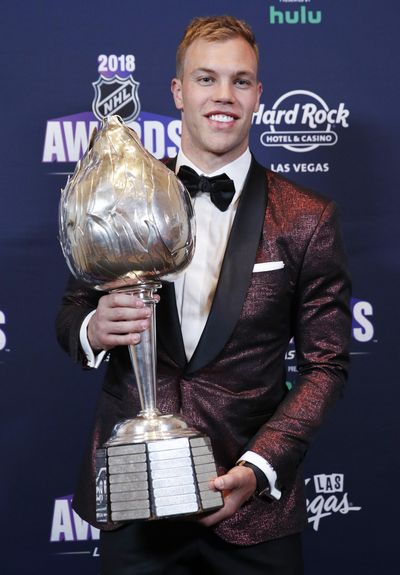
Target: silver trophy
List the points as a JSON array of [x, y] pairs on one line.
[[125, 222]]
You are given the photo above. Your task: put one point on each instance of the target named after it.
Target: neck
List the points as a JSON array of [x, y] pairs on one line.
[[209, 163]]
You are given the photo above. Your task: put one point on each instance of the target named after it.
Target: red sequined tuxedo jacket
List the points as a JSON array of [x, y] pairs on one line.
[[283, 276]]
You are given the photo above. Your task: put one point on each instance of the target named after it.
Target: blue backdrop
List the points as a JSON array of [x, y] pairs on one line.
[[328, 119]]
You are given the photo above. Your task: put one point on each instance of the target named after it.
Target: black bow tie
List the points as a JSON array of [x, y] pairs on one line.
[[221, 188]]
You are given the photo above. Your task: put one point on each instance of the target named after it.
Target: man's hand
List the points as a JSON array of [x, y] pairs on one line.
[[120, 318], [238, 485]]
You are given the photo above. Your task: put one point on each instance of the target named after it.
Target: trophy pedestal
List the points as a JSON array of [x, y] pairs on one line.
[[152, 478]]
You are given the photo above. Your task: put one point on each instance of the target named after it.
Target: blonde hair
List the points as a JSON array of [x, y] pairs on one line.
[[213, 29]]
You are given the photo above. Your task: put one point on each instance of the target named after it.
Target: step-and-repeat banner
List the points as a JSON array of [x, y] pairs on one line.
[[329, 119]]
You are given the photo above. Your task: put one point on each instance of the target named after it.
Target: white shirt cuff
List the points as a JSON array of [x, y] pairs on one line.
[[266, 468], [92, 360]]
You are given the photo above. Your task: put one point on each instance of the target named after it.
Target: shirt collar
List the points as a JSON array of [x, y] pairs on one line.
[[236, 170]]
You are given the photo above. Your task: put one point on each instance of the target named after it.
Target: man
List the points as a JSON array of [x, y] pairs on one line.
[[268, 267]]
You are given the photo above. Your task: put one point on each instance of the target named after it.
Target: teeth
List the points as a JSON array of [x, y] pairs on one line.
[[221, 118]]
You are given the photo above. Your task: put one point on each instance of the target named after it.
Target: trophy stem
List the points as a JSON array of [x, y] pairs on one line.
[[143, 354], [154, 465]]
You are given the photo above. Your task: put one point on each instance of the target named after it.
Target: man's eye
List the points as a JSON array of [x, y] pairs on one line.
[[242, 82], [205, 80]]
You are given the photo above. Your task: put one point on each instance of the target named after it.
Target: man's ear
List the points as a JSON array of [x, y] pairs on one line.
[[176, 89]]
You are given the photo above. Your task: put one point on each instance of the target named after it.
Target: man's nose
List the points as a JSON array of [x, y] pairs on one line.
[[224, 92]]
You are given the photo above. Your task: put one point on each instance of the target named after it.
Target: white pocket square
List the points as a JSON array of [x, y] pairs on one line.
[[268, 266]]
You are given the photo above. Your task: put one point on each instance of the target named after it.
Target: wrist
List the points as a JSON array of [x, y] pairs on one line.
[[91, 337], [262, 485]]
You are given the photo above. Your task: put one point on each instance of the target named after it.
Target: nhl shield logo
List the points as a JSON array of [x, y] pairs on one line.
[[116, 96]]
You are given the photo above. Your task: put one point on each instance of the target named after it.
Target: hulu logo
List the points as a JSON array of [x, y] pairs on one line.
[[301, 16]]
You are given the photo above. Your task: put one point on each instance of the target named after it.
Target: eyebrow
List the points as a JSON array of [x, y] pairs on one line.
[[212, 71]]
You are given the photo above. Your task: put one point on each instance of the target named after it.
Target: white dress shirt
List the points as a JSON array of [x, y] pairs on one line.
[[195, 287]]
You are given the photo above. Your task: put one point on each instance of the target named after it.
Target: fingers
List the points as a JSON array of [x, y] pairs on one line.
[[238, 485], [120, 318], [215, 518], [239, 477]]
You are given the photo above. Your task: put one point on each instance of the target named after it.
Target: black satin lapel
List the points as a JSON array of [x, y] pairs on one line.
[[170, 163], [236, 269], [169, 333]]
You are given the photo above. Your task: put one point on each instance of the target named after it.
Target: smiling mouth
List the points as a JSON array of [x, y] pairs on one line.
[[224, 118]]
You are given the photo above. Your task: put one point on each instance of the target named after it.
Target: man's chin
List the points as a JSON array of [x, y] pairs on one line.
[[226, 149]]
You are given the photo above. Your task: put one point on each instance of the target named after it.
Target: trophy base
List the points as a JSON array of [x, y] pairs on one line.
[[154, 478]]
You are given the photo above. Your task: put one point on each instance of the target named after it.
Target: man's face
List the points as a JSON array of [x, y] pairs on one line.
[[217, 94]]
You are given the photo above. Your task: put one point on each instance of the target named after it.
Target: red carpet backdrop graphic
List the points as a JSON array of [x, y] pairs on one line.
[[328, 119]]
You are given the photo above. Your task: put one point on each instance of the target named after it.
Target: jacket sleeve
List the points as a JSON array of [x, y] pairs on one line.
[[77, 302], [322, 328]]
